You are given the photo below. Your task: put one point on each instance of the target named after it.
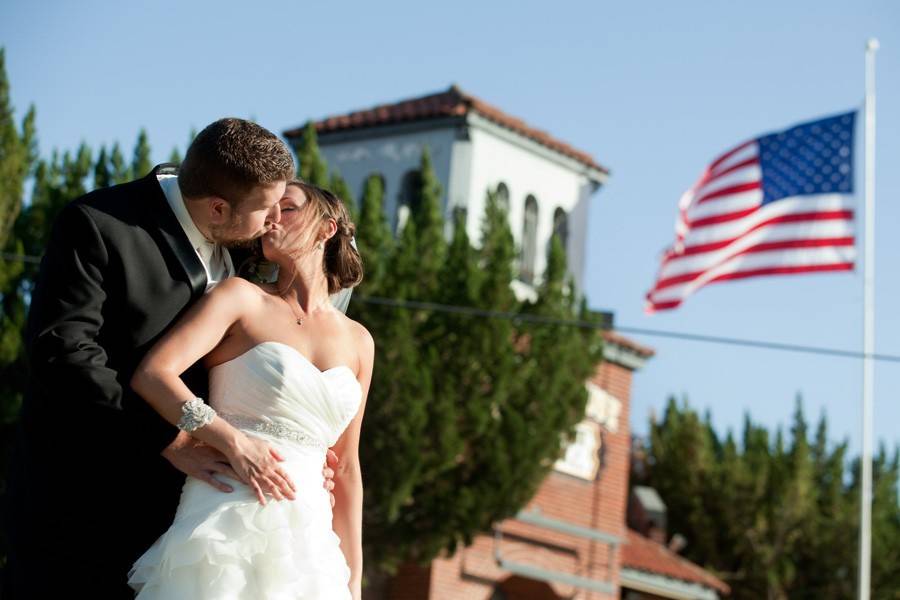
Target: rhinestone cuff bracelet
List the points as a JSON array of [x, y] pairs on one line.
[[195, 414]]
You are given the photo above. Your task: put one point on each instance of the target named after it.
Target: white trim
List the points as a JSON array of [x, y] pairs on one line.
[[641, 581], [540, 574], [535, 517], [623, 356]]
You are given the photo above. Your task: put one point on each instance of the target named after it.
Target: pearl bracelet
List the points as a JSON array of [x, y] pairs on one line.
[[195, 414]]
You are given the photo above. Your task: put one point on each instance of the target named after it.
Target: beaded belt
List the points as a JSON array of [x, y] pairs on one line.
[[277, 430]]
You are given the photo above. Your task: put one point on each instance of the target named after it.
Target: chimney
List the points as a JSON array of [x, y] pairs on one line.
[[647, 513]]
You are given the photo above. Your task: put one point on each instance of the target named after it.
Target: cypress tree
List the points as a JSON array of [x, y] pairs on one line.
[[17, 153], [102, 174], [785, 520], [18, 150], [311, 166], [119, 169], [402, 280], [373, 236], [338, 186], [431, 245], [563, 345], [468, 396], [75, 170], [141, 164], [392, 444]]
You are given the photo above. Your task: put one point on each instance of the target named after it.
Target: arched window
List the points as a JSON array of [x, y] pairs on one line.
[[407, 198], [503, 196], [561, 226], [529, 240]]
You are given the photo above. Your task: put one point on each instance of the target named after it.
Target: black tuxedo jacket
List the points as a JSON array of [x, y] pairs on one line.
[[89, 491]]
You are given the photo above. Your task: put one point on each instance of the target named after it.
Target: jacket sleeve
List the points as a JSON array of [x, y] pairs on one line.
[[67, 360]]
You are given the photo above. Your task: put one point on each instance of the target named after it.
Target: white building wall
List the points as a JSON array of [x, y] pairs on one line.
[[525, 172], [467, 166], [391, 156]]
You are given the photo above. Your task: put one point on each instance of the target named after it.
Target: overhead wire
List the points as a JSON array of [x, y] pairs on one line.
[[583, 324]]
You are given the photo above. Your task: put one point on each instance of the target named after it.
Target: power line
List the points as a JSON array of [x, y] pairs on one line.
[[583, 324], [20, 258], [478, 312]]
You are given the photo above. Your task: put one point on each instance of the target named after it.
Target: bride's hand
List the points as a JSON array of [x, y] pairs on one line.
[[256, 463]]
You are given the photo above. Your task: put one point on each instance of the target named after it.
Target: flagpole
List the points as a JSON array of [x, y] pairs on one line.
[[865, 504]]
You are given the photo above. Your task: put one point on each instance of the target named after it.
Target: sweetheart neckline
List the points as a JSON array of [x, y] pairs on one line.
[[297, 352]]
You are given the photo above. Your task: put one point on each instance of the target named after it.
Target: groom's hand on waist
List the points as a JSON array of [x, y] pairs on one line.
[[197, 459], [331, 463]]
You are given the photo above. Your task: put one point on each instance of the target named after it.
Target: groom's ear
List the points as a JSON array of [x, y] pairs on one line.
[[219, 210]]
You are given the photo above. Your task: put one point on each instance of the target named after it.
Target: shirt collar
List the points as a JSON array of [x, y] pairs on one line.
[[172, 191]]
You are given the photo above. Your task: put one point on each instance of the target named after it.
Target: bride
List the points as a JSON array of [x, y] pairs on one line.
[[289, 376]]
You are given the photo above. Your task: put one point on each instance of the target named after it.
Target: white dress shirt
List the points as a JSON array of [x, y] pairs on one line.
[[215, 258]]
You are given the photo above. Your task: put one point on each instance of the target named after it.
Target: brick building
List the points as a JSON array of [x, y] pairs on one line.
[[572, 539]]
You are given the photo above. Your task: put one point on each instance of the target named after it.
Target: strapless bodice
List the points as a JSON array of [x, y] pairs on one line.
[[273, 389]]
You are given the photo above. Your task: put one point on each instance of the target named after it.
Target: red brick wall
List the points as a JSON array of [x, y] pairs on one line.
[[472, 573]]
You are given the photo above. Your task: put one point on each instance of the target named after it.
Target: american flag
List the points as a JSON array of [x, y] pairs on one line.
[[779, 204]]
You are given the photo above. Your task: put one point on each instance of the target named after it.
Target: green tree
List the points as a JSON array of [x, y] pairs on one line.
[[312, 168], [396, 425], [119, 169], [18, 152], [373, 236], [431, 244], [779, 516], [75, 170], [141, 164], [102, 174], [338, 186], [545, 425]]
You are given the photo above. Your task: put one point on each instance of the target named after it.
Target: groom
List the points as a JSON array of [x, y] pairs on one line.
[[92, 483]]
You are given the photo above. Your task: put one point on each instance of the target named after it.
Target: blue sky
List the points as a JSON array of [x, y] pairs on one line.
[[652, 90]]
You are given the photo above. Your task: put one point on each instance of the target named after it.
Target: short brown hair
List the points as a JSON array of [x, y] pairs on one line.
[[343, 265], [232, 156]]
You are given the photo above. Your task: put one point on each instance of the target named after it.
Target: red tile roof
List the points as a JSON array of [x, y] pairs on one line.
[[616, 338], [451, 103], [643, 554]]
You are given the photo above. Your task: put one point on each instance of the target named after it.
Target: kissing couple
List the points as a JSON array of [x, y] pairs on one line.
[[188, 433]]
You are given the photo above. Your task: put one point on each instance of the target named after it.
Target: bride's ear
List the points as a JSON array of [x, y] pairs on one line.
[[329, 228]]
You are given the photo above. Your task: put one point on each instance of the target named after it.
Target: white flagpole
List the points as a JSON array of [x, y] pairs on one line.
[[865, 503]]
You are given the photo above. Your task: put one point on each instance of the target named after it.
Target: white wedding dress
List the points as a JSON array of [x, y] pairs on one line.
[[228, 545]]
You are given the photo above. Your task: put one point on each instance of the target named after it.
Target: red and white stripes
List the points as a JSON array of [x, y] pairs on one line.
[[725, 232]]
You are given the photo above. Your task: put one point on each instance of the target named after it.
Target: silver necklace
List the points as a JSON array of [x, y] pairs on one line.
[[299, 319], [285, 291]]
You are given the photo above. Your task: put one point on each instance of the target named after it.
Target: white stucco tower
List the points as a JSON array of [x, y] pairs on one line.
[[474, 147]]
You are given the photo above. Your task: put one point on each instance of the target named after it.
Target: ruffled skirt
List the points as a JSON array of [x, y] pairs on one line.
[[228, 546]]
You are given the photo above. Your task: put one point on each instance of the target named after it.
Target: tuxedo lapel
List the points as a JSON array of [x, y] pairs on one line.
[[173, 234]]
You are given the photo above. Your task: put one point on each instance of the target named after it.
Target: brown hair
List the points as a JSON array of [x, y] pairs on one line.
[[230, 157], [343, 265]]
